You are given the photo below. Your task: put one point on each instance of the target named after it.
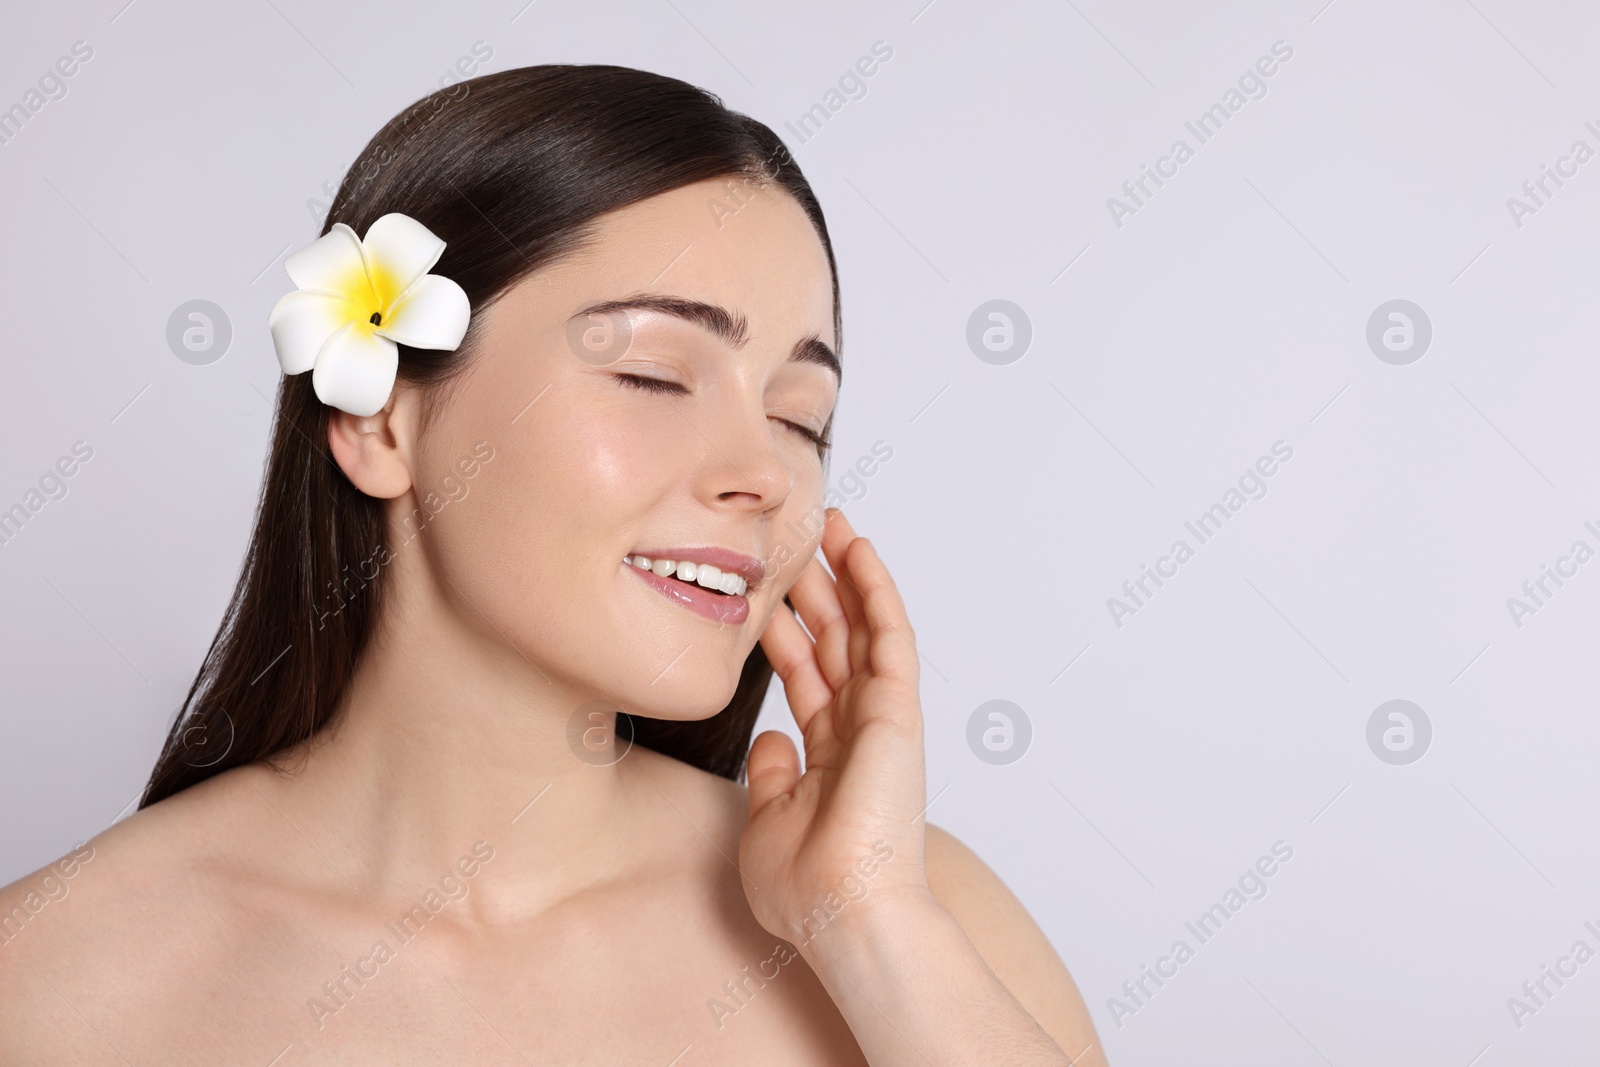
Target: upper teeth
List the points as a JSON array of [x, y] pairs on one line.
[[699, 573]]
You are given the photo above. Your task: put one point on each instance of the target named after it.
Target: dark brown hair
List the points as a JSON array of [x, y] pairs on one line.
[[510, 170]]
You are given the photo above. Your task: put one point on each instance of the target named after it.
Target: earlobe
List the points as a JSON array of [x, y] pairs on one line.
[[374, 450]]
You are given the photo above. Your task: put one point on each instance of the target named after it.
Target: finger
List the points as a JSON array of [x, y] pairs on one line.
[[893, 648], [773, 770], [816, 601], [793, 658], [836, 538]]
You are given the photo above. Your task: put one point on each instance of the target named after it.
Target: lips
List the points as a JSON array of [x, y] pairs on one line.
[[724, 559], [717, 606]]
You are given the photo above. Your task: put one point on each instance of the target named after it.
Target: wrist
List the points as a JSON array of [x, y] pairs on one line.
[[871, 934]]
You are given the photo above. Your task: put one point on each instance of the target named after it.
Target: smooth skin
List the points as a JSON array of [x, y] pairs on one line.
[[449, 873]]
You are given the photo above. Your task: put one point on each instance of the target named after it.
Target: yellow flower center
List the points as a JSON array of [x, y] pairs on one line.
[[369, 300]]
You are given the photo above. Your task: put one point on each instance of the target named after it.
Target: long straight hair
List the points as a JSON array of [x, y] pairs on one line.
[[510, 170]]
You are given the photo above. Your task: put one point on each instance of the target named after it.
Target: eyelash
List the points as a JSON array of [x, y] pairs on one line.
[[657, 385]]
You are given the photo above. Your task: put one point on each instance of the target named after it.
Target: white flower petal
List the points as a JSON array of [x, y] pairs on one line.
[[355, 370], [333, 262], [399, 250], [301, 323], [434, 314]]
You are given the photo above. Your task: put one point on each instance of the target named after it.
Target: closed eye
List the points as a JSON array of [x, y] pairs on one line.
[[659, 385], [653, 385]]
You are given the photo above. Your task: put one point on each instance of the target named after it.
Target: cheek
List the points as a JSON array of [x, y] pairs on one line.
[[568, 485], [798, 532], [566, 482]]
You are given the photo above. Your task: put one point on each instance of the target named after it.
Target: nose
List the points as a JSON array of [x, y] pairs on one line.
[[745, 465]]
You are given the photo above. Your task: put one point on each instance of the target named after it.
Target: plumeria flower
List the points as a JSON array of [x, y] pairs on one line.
[[359, 299]]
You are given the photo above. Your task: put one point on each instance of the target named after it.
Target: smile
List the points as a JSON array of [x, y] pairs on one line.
[[704, 575], [699, 584]]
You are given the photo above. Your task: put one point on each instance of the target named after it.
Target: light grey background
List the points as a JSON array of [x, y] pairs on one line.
[[1229, 312]]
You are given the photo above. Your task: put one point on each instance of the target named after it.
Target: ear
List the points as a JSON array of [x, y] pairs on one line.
[[375, 451]]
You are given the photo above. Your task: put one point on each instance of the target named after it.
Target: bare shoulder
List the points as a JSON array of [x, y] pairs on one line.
[[73, 897], [130, 909], [1012, 944]]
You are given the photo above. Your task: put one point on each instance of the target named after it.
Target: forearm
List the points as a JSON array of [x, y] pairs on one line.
[[915, 991]]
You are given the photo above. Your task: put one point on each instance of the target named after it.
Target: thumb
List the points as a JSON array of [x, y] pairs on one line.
[[774, 768]]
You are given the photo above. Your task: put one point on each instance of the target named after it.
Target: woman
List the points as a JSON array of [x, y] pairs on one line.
[[404, 818]]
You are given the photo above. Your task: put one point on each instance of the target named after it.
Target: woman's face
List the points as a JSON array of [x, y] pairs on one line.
[[589, 466]]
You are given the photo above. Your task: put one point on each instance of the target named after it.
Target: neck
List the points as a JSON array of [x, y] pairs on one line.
[[447, 739]]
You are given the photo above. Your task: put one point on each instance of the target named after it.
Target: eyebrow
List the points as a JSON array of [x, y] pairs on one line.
[[730, 327]]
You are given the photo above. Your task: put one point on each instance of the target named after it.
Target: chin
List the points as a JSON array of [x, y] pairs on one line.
[[690, 699]]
